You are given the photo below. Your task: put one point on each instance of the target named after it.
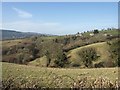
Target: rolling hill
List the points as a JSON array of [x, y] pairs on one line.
[[12, 34], [60, 51], [56, 61], [102, 50]]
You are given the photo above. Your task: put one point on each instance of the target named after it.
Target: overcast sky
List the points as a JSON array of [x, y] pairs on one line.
[[59, 18]]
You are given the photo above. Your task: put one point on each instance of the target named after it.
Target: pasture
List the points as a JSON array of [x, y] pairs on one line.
[[24, 76]]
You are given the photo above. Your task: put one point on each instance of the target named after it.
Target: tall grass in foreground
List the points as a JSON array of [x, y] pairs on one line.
[[24, 76], [59, 82]]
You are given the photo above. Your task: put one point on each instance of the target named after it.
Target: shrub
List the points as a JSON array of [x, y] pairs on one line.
[[48, 57], [61, 59], [99, 65], [76, 65], [115, 51], [23, 58], [96, 31], [88, 55], [66, 41]]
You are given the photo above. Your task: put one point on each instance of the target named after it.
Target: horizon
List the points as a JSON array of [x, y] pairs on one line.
[[59, 18]]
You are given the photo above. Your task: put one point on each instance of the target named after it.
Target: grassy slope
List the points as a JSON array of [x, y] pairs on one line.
[[110, 32], [39, 62], [32, 73], [101, 48]]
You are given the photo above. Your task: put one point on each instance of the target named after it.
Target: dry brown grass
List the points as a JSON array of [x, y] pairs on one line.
[[23, 76]]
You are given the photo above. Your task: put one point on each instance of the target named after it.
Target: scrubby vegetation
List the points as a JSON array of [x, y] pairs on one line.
[[88, 55], [83, 60], [56, 49], [115, 51]]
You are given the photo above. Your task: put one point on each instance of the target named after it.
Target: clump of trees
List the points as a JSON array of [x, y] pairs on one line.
[[115, 51], [48, 57], [61, 59], [96, 31], [88, 55], [21, 53]]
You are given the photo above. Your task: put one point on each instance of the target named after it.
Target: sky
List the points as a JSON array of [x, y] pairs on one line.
[[58, 18]]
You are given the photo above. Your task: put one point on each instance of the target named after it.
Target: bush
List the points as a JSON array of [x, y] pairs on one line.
[[88, 55], [115, 51], [23, 58], [61, 59], [66, 41], [48, 57], [96, 31], [76, 65], [99, 65]]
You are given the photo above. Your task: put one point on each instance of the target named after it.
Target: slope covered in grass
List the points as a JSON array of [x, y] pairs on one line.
[[31, 76], [102, 50], [56, 48], [39, 62]]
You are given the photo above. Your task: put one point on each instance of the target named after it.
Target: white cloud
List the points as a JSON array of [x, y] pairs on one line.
[[22, 14]]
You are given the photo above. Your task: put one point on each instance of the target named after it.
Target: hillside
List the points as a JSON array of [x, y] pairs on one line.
[[11, 34], [70, 61], [23, 76], [61, 51], [102, 50], [59, 45]]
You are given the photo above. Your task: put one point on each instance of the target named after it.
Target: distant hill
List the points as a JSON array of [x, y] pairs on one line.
[[11, 34]]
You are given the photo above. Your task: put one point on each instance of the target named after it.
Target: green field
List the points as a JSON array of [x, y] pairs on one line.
[[23, 76]]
